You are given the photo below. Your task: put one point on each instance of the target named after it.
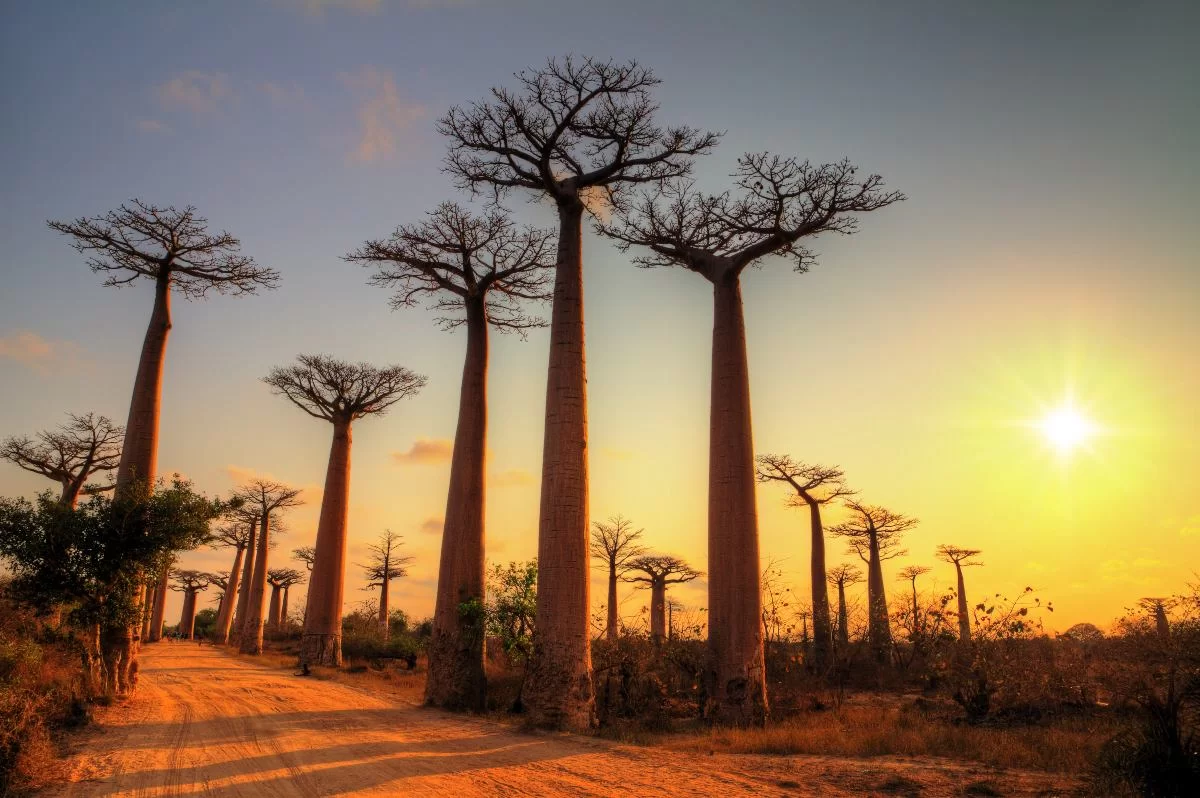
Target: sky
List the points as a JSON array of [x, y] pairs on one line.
[[1047, 254]]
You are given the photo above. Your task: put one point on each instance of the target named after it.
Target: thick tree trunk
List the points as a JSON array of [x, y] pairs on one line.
[[239, 615], [160, 604], [843, 619], [384, 627], [322, 643], [736, 684], [658, 611], [273, 610], [281, 621], [225, 612], [456, 677], [964, 619], [611, 630], [878, 629], [822, 629], [559, 692], [147, 614], [187, 619], [139, 453], [251, 641], [916, 612]]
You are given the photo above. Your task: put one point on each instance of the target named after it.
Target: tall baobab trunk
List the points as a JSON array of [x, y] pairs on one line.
[[385, 628], [160, 604], [1162, 626], [147, 613], [964, 620], [822, 629], [273, 610], [283, 615], [611, 631], [322, 643], [251, 641], [239, 616], [456, 678], [139, 455], [916, 611], [658, 610], [737, 689], [225, 611], [843, 618], [187, 619], [878, 629], [559, 690]]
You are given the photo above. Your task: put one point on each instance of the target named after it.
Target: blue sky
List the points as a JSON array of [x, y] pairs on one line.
[[1049, 152]]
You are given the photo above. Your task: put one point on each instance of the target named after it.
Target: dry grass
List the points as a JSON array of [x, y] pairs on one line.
[[1066, 746]]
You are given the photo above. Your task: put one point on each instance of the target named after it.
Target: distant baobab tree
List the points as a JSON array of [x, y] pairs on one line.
[[961, 558], [159, 587], [305, 555], [840, 576], [574, 131], [815, 485], [175, 249], [779, 202], [874, 535], [386, 564], [189, 583], [1158, 607], [477, 271], [69, 455], [910, 574], [615, 544], [248, 515], [337, 392], [657, 571], [234, 535], [265, 497], [280, 579]]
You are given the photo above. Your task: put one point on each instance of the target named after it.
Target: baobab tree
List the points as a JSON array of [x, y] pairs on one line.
[[249, 517], [476, 271], [815, 486], [221, 583], [235, 535], [961, 558], [874, 535], [840, 576], [159, 587], [577, 132], [176, 250], [265, 497], [189, 583], [337, 392], [657, 571], [285, 577], [910, 574], [778, 203], [306, 555], [69, 455], [615, 544], [1157, 607], [386, 564]]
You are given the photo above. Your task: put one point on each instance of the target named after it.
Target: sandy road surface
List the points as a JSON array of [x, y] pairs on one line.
[[274, 734]]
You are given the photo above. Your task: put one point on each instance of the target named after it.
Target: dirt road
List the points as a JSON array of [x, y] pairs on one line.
[[205, 723]]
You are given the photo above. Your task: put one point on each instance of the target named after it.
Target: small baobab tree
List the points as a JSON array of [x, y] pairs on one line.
[[779, 202], [234, 535], [386, 564], [477, 272], [656, 571], [69, 455], [339, 393], [815, 486], [286, 578], [840, 576], [961, 558], [265, 497], [248, 516], [189, 583], [1158, 608], [910, 574], [874, 534], [615, 544], [577, 131]]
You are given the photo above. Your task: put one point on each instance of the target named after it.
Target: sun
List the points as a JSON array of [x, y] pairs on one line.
[[1066, 429]]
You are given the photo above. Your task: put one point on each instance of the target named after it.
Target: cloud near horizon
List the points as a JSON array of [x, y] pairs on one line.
[[195, 91], [40, 354], [433, 525], [382, 116], [426, 451]]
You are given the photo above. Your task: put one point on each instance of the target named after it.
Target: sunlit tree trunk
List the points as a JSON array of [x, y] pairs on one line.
[[878, 630], [251, 641], [964, 619], [456, 678], [273, 610], [187, 618], [737, 688], [322, 643], [611, 630], [822, 631], [239, 615], [559, 690], [231, 597], [658, 610], [160, 604]]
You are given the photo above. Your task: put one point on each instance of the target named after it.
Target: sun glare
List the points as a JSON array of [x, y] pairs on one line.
[[1065, 429]]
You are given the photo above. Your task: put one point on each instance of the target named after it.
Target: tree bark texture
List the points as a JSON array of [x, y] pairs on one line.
[[878, 628], [251, 641], [822, 628], [225, 611], [239, 615], [322, 643]]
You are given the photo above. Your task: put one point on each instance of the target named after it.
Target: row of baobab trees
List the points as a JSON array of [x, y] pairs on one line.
[[581, 133]]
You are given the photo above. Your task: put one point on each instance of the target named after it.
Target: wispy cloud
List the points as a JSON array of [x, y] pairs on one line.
[[433, 525], [319, 7], [39, 354], [426, 451], [382, 116], [151, 126], [514, 477], [284, 95], [197, 92]]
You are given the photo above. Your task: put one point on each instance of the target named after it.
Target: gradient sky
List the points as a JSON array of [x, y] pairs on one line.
[[1048, 250]]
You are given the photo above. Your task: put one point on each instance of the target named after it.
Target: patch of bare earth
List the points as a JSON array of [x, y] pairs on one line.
[[206, 723]]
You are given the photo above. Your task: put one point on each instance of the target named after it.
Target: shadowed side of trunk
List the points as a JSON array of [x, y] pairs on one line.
[[322, 643], [843, 618], [611, 630], [251, 641], [964, 619], [187, 618], [239, 615], [658, 610], [272, 623], [283, 608], [559, 692], [822, 628], [231, 597], [736, 683], [456, 676]]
